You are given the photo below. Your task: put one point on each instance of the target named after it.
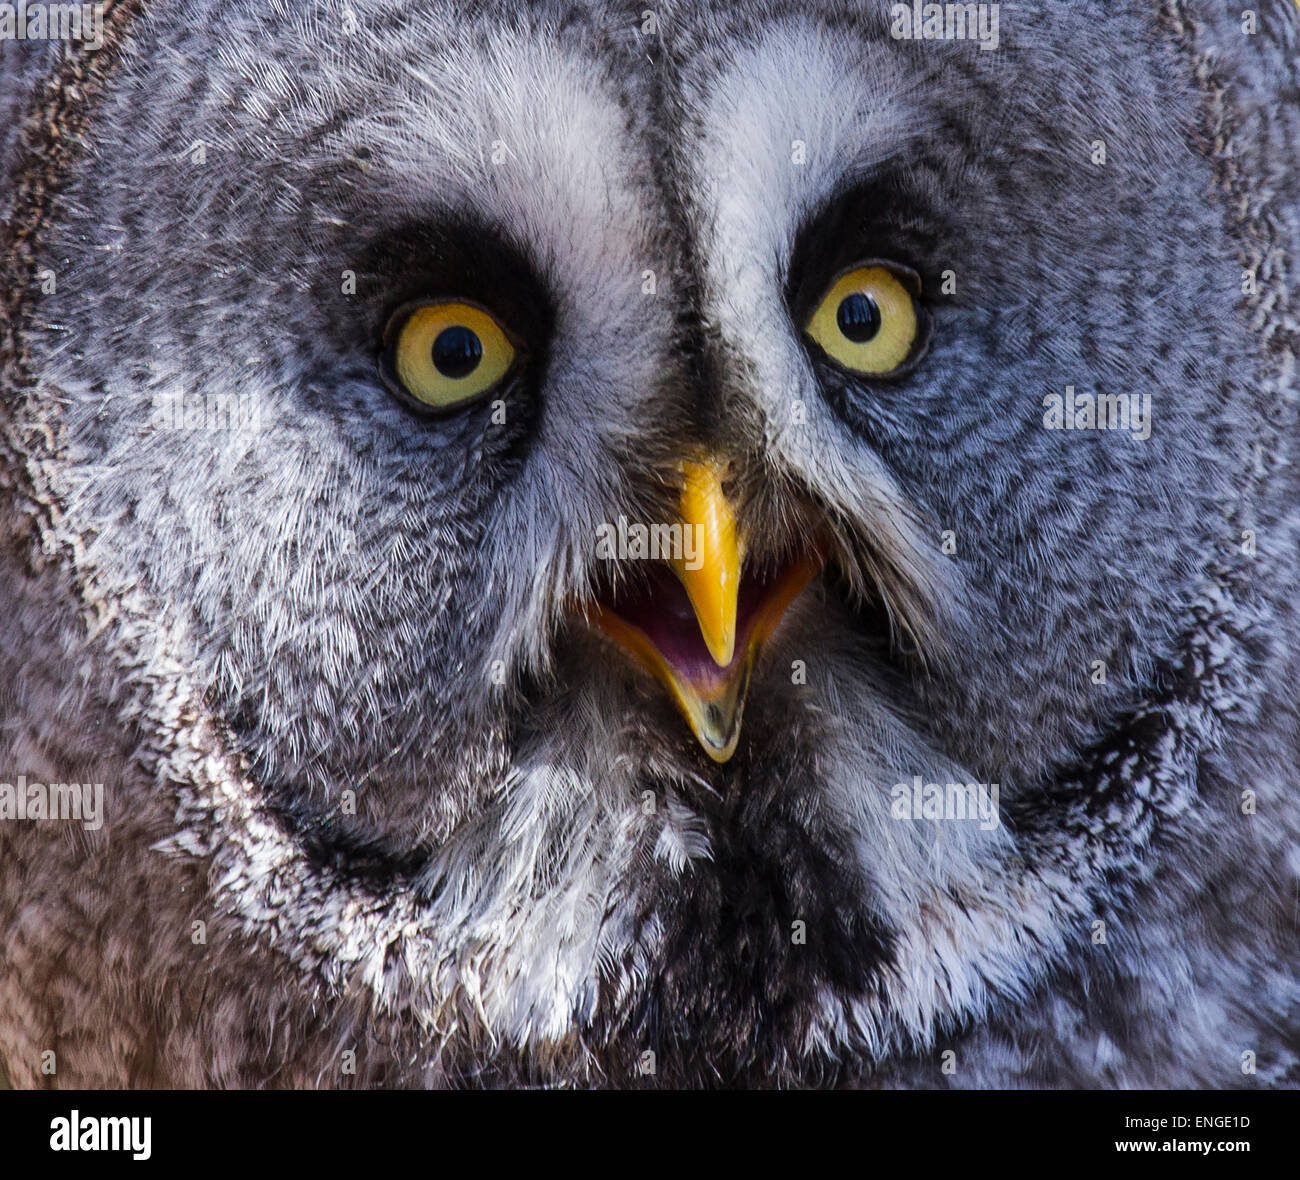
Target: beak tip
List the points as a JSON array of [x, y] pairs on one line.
[[722, 648], [719, 746]]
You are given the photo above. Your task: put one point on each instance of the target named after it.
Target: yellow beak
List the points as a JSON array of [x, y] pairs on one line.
[[714, 585], [712, 698]]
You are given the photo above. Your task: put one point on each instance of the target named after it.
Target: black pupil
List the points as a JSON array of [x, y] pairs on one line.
[[457, 352], [858, 317]]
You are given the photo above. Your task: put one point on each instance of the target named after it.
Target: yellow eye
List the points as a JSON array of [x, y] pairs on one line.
[[446, 353], [867, 321]]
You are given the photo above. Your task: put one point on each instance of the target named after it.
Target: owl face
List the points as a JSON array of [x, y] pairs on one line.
[[374, 347]]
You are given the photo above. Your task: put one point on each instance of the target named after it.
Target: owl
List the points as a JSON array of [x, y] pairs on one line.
[[682, 544]]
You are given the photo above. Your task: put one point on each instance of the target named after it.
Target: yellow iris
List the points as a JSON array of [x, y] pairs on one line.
[[448, 352], [866, 322]]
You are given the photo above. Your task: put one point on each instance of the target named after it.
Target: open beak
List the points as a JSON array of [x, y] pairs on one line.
[[703, 618]]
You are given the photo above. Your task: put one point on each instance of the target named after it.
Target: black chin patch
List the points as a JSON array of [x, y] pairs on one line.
[[754, 939]]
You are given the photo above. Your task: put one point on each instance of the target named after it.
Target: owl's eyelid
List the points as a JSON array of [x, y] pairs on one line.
[[399, 315], [909, 279], [808, 297]]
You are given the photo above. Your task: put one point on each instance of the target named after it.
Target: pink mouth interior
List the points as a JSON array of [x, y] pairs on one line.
[[655, 603]]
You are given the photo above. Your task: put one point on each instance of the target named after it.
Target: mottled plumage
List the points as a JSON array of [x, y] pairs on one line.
[[241, 632]]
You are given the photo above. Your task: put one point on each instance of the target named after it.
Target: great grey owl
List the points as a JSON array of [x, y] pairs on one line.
[[672, 544]]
